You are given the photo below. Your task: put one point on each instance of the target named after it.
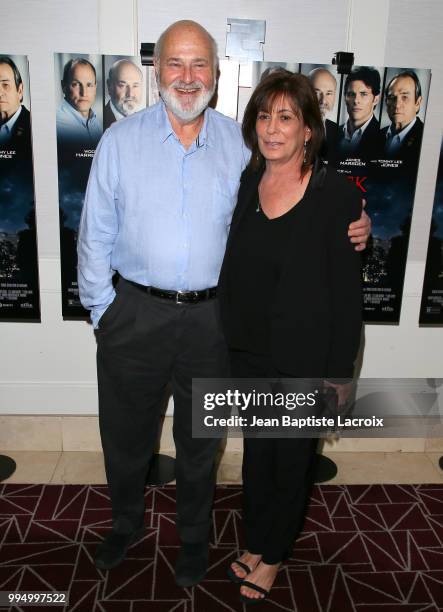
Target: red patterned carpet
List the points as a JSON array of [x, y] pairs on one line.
[[363, 549]]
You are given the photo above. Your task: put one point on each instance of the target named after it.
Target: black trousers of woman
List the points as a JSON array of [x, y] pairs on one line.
[[277, 477]]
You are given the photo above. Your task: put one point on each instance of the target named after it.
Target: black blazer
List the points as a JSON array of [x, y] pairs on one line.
[[20, 140], [371, 145], [329, 146], [108, 116], [331, 131], [316, 311], [409, 149]]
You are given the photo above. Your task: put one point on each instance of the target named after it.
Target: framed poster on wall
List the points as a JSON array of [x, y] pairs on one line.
[[19, 281], [373, 120], [431, 311], [92, 92]]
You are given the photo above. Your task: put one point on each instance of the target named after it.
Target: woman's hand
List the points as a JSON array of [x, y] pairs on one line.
[[343, 391], [360, 230]]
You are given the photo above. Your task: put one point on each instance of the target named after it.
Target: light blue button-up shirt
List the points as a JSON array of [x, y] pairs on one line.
[[154, 211], [6, 128], [72, 126]]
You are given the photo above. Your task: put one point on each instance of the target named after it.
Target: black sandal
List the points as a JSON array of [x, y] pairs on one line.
[[233, 576], [249, 600]]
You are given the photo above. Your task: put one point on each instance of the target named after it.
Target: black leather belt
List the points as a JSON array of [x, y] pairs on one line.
[[180, 297]]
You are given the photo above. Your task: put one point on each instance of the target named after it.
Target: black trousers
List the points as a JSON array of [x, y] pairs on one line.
[[277, 477], [143, 344]]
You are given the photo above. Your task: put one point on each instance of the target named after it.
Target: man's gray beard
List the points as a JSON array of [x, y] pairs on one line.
[[126, 110], [324, 114], [173, 104]]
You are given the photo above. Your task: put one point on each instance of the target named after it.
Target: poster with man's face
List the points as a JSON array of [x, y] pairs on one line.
[[325, 81], [92, 93], [19, 283], [373, 122], [431, 311], [79, 102], [359, 139], [125, 88], [379, 142]]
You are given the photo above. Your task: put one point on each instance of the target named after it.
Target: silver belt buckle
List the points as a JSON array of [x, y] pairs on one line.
[[177, 298]]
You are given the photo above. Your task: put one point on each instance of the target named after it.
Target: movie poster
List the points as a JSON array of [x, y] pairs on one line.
[[92, 91], [373, 119], [431, 311], [380, 128], [19, 283]]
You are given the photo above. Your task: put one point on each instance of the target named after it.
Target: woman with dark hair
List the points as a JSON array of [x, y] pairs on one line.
[[290, 296]]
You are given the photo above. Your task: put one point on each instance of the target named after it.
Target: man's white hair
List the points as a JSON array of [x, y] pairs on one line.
[[321, 70], [122, 62]]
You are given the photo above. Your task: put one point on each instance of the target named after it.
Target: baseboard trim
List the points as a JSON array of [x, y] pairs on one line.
[[32, 431]]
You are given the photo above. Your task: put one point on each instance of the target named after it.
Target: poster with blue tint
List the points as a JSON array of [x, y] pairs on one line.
[[92, 92], [373, 122], [380, 126], [431, 312], [19, 282], [374, 118]]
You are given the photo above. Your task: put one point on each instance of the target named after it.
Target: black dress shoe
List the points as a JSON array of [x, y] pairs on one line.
[[192, 564], [112, 550]]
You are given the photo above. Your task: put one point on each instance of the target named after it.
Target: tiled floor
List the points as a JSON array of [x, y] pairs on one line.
[[353, 468]]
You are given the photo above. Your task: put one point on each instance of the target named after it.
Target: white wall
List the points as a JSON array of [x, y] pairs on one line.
[[49, 368], [413, 38]]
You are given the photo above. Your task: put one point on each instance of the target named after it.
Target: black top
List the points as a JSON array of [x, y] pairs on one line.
[[258, 253], [315, 304]]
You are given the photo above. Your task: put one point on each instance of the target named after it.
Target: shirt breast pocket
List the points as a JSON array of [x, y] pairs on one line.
[[224, 200]]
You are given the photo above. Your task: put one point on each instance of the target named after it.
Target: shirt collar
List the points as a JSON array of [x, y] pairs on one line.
[[359, 130], [203, 138], [69, 108], [391, 133], [11, 122], [166, 130]]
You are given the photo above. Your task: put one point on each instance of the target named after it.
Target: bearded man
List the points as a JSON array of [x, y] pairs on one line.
[[159, 202], [124, 84]]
